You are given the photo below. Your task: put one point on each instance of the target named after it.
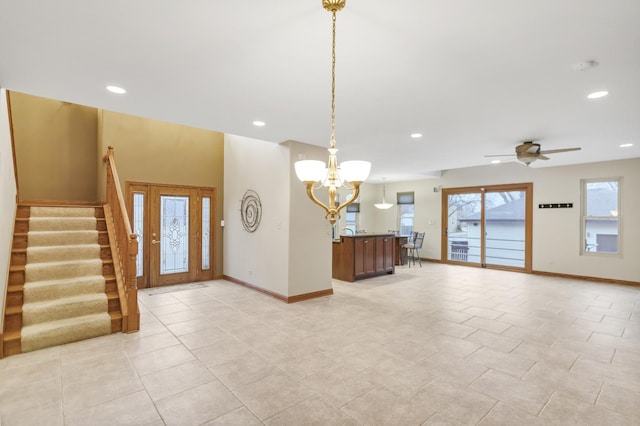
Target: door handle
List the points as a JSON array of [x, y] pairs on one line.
[[153, 239], [155, 242]]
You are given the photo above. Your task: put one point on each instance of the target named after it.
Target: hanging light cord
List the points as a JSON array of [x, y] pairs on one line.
[[333, 82]]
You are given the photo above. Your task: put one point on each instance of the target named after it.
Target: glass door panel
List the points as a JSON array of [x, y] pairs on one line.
[[463, 227], [174, 234], [488, 226], [206, 233], [504, 228]]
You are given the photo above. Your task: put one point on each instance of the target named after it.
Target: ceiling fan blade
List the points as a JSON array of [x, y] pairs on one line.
[[500, 155], [553, 151], [542, 157]]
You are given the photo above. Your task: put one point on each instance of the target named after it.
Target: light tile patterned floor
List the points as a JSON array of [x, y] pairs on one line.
[[433, 345]]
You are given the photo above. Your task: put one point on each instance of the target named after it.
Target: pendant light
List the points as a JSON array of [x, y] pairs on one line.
[[384, 205]]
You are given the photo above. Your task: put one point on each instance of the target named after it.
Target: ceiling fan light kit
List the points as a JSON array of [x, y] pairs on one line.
[[530, 151]]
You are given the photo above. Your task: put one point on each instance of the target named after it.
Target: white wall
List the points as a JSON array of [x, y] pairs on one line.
[[556, 232], [259, 258], [290, 252], [7, 199], [309, 232]]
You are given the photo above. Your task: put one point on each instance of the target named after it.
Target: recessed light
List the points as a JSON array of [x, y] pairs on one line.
[[596, 95], [495, 161], [416, 135], [117, 90], [259, 123], [626, 145]]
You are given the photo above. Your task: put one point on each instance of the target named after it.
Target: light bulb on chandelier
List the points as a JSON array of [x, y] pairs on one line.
[[316, 174]]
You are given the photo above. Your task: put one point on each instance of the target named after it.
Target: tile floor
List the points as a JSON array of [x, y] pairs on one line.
[[439, 345]]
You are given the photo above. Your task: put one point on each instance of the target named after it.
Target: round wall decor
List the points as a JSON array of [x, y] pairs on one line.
[[250, 211]]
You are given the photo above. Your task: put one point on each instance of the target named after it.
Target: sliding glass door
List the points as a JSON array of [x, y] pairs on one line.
[[488, 226]]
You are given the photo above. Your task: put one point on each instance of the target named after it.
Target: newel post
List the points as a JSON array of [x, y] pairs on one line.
[[132, 285]]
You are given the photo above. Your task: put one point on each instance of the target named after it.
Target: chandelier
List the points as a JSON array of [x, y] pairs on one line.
[[316, 174]]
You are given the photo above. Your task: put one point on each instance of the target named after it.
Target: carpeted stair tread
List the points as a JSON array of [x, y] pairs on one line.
[[38, 336], [54, 310], [40, 254], [41, 211], [59, 238], [62, 223], [58, 270], [38, 291], [64, 289]]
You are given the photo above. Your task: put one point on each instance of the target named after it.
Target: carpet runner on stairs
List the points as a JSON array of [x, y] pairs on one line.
[[64, 290]]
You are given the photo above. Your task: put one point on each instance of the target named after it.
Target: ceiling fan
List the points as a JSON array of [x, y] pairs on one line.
[[530, 151]]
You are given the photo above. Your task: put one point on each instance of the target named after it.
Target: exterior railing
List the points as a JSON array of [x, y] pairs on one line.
[[124, 246]]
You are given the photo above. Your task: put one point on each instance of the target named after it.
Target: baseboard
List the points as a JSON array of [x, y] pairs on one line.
[[255, 287], [312, 295], [1, 345], [291, 299], [587, 278], [431, 260]]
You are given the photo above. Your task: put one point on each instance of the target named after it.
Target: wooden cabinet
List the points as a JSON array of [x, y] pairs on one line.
[[363, 256]]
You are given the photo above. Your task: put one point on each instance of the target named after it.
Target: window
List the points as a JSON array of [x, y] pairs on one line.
[[351, 217], [405, 212], [601, 215]]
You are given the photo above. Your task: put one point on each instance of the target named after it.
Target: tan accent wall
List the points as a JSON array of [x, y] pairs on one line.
[[56, 147], [154, 151]]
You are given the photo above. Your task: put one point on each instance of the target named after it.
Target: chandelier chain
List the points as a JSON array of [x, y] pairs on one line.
[[333, 82]]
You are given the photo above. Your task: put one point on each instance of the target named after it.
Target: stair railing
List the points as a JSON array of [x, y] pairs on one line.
[[124, 248]]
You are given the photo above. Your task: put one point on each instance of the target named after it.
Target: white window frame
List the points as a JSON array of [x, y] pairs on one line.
[[584, 247]]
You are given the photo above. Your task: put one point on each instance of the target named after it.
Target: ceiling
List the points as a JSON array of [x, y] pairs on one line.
[[474, 77]]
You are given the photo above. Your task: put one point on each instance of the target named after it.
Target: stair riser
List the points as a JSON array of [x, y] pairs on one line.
[[57, 291], [62, 224], [14, 298], [114, 305], [103, 238], [62, 253], [13, 322], [22, 225], [63, 335], [116, 325], [62, 212], [40, 271], [16, 277], [110, 285], [107, 270], [23, 212], [19, 241], [42, 239], [12, 347], [61, 311], [18, 258]]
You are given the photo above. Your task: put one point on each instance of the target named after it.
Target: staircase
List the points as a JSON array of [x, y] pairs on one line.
[[62, 285]]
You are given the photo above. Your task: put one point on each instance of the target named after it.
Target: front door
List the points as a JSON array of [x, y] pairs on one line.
[[173, 224]]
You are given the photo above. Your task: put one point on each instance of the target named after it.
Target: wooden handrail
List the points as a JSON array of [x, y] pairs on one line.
[[125, 244]]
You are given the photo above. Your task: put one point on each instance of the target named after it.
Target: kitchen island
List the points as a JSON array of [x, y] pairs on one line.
[[360, 256]]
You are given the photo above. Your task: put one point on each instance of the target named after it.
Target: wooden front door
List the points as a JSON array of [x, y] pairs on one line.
[[175, 239]]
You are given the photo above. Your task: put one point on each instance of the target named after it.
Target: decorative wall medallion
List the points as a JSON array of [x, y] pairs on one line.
[[251, 211]]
